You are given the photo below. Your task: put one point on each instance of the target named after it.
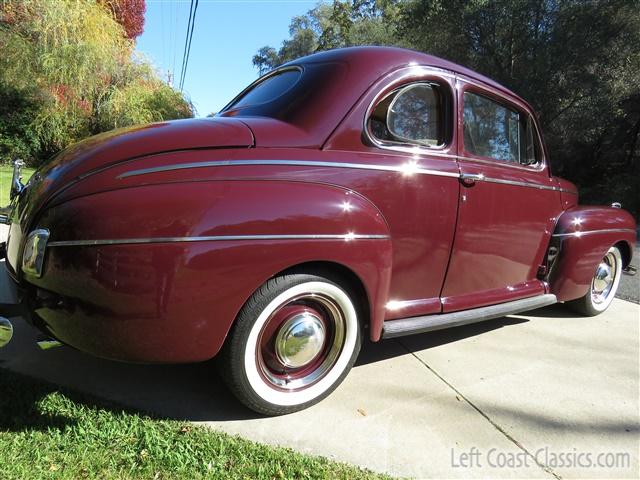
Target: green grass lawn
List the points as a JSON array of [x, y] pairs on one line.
[[6, 172], [49, 432]]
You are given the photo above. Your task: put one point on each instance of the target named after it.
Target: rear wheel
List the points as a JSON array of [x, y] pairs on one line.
[[603, 285], [293, 343]]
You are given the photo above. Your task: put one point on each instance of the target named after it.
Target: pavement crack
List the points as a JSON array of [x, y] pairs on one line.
[[506, 434]]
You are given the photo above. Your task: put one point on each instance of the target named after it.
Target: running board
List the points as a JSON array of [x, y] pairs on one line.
[[429, 323]]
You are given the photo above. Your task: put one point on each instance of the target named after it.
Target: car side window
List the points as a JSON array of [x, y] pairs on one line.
[[495, 131], [413, 114]]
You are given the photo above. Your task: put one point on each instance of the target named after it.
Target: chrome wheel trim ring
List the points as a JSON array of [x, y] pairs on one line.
[[289, 397], [330, 354], [604, 283]]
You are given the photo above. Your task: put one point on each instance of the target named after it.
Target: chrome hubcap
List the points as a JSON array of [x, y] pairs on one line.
[[300, 340], [604, 279]]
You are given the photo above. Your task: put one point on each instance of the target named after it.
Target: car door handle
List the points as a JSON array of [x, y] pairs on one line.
[[470, 179]]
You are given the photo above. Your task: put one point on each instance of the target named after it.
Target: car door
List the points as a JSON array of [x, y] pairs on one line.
[[507, 202]]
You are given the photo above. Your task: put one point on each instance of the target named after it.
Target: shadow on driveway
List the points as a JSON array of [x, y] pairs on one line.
[[193, 392]]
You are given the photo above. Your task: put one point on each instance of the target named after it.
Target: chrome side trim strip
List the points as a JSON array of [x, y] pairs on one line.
[[517, 183], [406, 168], [213, 238], [592, 232], [438, 321]]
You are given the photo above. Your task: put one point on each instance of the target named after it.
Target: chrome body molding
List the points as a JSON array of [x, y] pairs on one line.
[[593, 232], [213, 238], [482, 178], [429, 323], [408, 168]]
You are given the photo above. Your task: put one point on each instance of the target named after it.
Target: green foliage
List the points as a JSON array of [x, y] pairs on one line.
[[17, 111], [68, 66], [342, 24], [576, 62], [48, 433]]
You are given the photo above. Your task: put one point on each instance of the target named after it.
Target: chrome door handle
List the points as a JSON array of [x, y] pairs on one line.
[[470, 179]]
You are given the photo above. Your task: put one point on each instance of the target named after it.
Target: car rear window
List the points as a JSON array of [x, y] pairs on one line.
[[267, 90]]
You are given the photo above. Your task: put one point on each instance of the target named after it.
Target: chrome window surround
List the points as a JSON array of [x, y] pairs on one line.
[[214, 238], [414, 70], [407, 142], [540, 165], [412, 148]]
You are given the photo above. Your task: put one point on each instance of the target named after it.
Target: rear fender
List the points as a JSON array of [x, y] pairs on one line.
[[248, 231], [581, 239]]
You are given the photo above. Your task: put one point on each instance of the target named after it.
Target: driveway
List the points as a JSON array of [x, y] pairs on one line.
[[629, 288], [540, 395]]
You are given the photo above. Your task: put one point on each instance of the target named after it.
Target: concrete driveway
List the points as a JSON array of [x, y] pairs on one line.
[[541, 395]]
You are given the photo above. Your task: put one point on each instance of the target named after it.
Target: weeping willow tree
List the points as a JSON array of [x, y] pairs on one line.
[[73, 67]]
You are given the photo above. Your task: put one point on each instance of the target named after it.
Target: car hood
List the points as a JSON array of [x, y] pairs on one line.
[[128, 144]]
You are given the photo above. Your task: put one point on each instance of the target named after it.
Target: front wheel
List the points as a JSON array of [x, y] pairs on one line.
[[293, 343], [603, 285]]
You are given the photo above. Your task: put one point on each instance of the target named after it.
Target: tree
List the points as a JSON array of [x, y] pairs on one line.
[[64, 68], [341, 24], [576, 62], [129, 14]]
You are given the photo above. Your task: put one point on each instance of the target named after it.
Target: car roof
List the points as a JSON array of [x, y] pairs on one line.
[[374, 61], [308, 113]]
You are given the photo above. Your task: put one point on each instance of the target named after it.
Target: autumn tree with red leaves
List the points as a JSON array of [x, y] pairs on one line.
[[68, 70], [129, 14]]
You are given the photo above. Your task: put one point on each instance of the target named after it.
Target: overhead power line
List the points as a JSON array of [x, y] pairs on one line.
[[187, 41]]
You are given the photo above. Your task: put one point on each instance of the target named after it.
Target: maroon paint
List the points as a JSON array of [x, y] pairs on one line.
[[175, 302], [579, 255], [503, 229]]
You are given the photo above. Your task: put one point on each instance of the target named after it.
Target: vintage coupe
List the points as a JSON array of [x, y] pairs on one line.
[[370, 189]]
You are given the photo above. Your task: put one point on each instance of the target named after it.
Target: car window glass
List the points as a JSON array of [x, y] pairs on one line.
[[269, 89], [413, 114], [493, 130], [531, 146]]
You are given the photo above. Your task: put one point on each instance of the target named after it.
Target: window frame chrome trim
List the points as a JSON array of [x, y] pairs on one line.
[[415, 149], [518, 105], [215, 238]]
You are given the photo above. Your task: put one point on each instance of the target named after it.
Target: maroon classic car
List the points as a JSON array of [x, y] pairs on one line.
[[362, 191]]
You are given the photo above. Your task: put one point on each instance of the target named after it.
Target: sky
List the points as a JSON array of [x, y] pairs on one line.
[[226, 36]]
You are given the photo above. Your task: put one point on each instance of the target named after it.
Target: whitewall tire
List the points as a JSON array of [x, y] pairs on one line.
[[292, 344], [604, 285]]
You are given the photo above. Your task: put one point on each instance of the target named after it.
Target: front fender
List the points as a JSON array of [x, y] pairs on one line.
[[158, 273], [582, 237]]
